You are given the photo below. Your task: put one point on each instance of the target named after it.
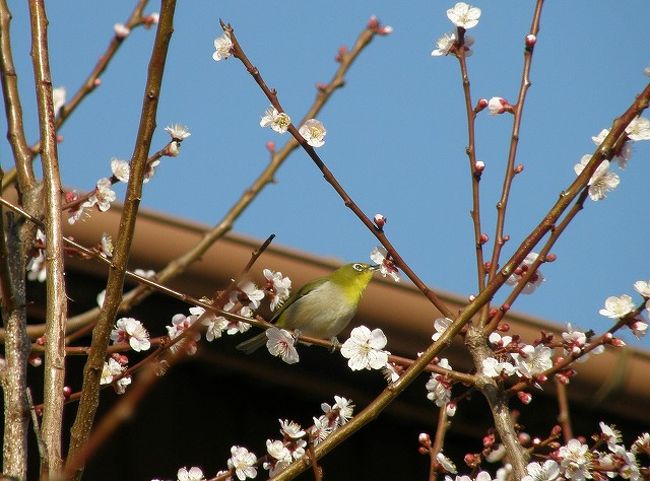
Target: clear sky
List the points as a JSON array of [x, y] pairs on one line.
[[396, 132]]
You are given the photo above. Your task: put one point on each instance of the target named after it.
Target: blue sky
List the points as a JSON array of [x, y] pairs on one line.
[[396, 132]]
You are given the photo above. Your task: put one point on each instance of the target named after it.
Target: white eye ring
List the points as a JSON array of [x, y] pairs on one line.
[[357, 267]]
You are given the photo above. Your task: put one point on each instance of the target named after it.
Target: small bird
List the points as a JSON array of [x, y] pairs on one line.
[[321, 308]]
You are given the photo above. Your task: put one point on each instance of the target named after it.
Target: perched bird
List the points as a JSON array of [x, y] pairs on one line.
[[321, 308]]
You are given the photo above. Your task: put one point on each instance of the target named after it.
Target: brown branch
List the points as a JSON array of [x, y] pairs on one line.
[[271, 95], [13, 108], [88, 87], [564, 416], [93, 368], [471, 156], [510, 173], [56, 311], [16, 350]]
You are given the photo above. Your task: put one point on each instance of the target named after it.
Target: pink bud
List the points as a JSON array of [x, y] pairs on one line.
[[503, 327], [530, 40], [524, 438], [380, 220], [321, 86], [488, 440], [97, 82], [506, 238], [35, 360], [550, 257], [424, 439], [471, 459], [422, 450], [519, 169], [483, 238], [471, 298], [616, 342], [524, 397], [557, 430], [498, 105], [373, 23], [59, 138], [480, 105], [562, 378], [536, 441], [67, 391], [384, 30], [270, 146], [542, 378], [608, 336], [41, 341], [505, 307], [341, 53], [479, 166], [451, 409]]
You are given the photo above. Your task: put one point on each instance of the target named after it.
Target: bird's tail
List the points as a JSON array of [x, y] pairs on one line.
[[251, 345]]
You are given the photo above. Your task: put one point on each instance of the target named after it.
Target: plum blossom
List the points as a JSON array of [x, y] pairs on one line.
[[464, 15], [120, 169], [446, 463], [277, 286], [121, 30], [536, 279], [243, 462], [58, 99], [575, 460], [278, 121], [342, 408], [643, 288], [638, 129], [223, 47], [103, 195], [533, 360], [574, 341], [132, 331], [617, 307], [281, 344], [379, 255], [494, 368], [621, 157], [178, 132], [254, 294], [548, 471], [438, 386], [602, 180], [364, 349], [192, 474], [445, 45], [112, 369], [611, 434], [313, 132], [498, 105], [440, 325]]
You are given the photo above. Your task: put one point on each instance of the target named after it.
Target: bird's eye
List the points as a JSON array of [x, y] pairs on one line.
[[357, 267]]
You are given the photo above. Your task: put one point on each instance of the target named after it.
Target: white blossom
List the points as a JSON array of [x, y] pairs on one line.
[[121, 30], [364, 349], [464, 15], [215, 325], [438, 387], [121, 170], [132, 331], [111, 369], [192, 474], [291, 429], [612, 435], [440, 325], [278, 121], [281, 344], [223, 47], [313, 131], [602, 180], [379, 255], [444, 44], [622, 157], [638, 129], [643, 288], [494, 368], [321, 429], [548, 471], [533, 360], [575, 460], [58, 99], [243, 462], [446, 463], [106, 245], [178, 132], [535, 280], [103, 195], [617, 307], [278, 286], [497, 105], [342, 407], [254, 294]]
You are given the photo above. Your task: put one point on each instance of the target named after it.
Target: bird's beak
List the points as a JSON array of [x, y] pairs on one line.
[[374, 268]]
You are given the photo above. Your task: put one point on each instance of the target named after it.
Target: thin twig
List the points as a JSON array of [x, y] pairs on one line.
[[564, 416], [35, 426], [510, 173]]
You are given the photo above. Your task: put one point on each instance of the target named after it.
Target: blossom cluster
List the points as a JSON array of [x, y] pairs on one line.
[[464, 17], [622, 307]]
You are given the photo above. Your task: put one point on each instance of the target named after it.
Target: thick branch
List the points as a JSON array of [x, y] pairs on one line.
[[56, 311], [94, 365]]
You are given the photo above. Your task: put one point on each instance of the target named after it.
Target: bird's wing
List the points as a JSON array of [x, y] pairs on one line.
[[303, 291]]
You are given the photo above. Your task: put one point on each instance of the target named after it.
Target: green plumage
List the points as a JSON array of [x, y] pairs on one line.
[[321, 308]]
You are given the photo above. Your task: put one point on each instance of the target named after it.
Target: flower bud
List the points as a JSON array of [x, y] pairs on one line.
[[519, 168], [483, 238], [530, 40], [380, 220], [424, 439], [270, 146], [41, 341], [480, 105], [35, 360], [550, 257], [97, 82], [451, 409], [505, 307], [67, 391], [557, 430], [524, 397], [503, 327], [373, 23], [479, 166], [499, 105], [524, 438]]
